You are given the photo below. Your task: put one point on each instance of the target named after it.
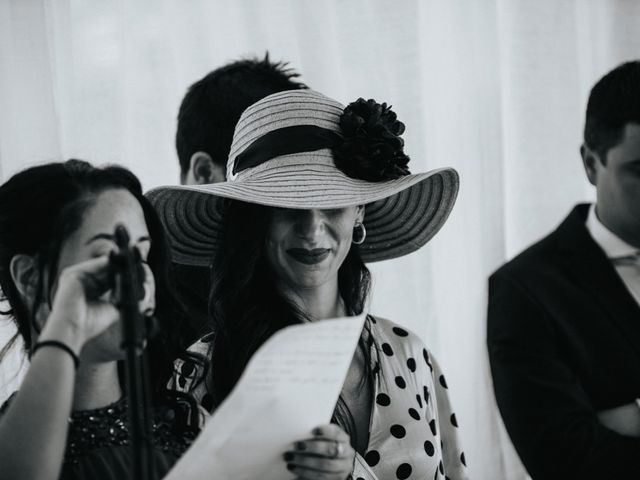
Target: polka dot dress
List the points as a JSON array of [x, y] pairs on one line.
[[413, 428]]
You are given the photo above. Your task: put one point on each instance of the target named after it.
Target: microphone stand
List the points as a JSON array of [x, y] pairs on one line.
[[128, 288]]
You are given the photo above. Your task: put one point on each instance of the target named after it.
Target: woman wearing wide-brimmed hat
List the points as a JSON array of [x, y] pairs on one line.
[[315, 190]]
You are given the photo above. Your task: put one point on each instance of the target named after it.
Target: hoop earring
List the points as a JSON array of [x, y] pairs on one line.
[[358, 238]]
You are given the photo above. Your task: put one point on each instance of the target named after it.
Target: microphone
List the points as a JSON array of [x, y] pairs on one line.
[[126, 261], [128, 288], [126, 264]]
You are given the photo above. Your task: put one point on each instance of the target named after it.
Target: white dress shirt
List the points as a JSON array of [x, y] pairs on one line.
[[624, 257]]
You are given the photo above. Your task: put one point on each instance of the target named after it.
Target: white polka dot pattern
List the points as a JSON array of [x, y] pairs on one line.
[[414, 430]]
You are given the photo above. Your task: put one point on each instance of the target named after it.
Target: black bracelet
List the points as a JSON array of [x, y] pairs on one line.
[[60, 345]]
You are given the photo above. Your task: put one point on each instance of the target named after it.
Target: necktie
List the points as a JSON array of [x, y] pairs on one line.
[[628, 267]]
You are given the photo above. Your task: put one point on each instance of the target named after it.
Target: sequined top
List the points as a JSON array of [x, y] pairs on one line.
[[98, 445]]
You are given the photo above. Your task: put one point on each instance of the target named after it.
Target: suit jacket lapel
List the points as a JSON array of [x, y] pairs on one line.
[[595, 273]]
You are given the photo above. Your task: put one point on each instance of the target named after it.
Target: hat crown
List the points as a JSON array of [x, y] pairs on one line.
[[282, 110]]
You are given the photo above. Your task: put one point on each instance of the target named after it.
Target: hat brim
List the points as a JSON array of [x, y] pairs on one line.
[[401, 215]]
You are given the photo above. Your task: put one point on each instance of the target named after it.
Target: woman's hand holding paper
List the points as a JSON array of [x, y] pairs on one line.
[[328, 455]]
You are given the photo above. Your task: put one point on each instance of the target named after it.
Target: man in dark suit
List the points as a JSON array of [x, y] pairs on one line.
[[564, 315]]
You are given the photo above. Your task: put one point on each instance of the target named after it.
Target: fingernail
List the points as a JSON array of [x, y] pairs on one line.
[[288, 456], [300, 446], [317, 431]]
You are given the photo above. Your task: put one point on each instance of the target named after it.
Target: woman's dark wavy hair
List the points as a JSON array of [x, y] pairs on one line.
[[246, 308], [39, 208]]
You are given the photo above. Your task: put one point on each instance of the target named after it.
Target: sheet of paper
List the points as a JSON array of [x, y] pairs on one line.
[[290, 386]]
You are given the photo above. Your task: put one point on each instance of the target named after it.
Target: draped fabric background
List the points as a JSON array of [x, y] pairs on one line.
[[496, 89]]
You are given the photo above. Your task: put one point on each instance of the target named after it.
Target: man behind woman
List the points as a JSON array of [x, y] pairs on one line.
[[206, 119]]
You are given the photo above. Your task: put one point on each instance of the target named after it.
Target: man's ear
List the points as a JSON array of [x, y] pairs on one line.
[[202, 170], [591, 162], [360, 214], [24, 274]]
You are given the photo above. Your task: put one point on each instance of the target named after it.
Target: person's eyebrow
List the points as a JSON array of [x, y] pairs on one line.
[[110, 237]]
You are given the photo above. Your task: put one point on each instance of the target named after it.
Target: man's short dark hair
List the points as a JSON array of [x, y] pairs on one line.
[[213, 105], [613, 103]]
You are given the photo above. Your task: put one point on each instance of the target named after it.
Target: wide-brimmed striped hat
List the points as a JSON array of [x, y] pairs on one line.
[[283, 155]]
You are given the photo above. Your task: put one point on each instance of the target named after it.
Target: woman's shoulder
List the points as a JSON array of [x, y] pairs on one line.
[[394, 331], [399, 339]]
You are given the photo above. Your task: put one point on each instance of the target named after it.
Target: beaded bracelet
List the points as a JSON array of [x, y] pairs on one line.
[[61, 346]]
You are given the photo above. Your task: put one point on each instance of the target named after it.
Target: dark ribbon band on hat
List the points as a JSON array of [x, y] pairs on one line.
[[285, 141]]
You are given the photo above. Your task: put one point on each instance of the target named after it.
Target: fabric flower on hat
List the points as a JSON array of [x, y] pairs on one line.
[[372, 147]]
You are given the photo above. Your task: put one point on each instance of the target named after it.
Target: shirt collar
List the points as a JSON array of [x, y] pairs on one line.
[[612, 245]]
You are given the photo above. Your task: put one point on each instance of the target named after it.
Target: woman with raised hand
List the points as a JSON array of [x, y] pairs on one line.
[[69, 419], [314, 191]]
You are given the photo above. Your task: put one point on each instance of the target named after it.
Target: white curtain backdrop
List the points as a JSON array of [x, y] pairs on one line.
[[496, 89]]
